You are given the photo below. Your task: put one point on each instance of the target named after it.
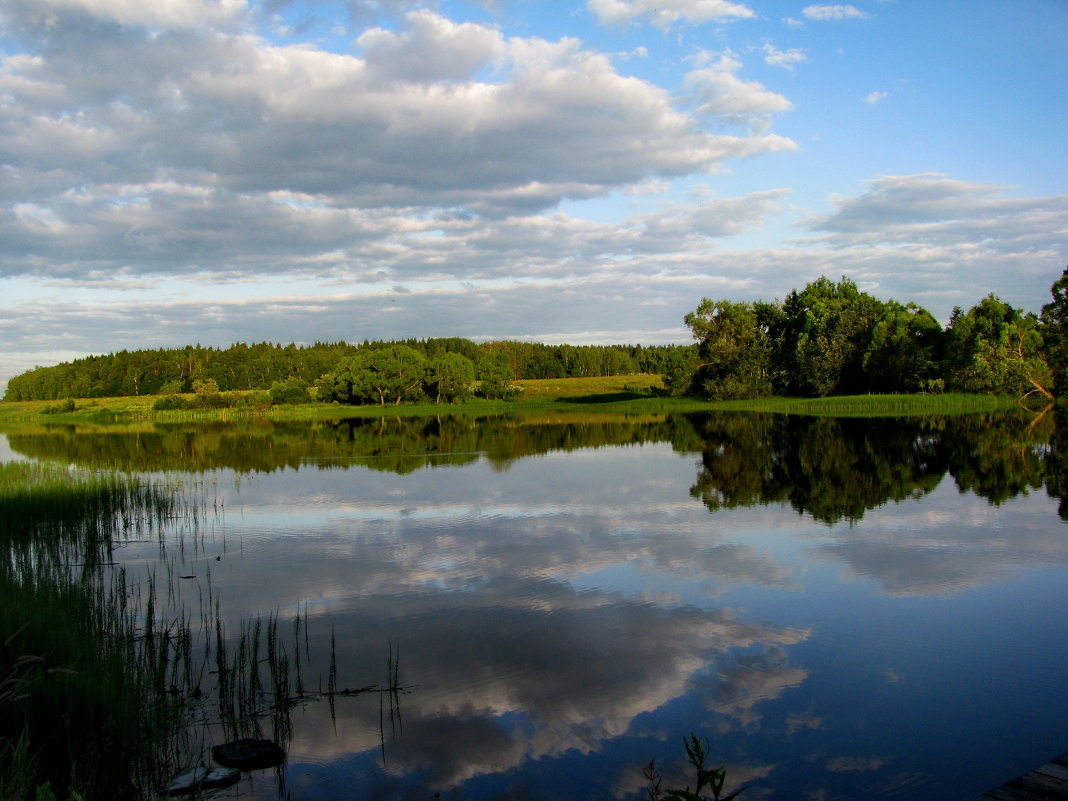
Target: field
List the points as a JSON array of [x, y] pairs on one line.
[[629, 394]]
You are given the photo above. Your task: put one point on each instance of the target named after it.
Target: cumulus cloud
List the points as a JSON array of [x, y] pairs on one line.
[[664, 14], [875, 97], [199, 150], [430, 48], [927, 238], [201, 155], [159, 13], [719, 91], [832, 12], [783, 58], [934, 207], [940, 237]]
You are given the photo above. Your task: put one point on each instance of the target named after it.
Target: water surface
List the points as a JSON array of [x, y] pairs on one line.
[[843, 608]]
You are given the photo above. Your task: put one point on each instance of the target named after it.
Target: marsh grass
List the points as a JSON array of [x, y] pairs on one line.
[[83, 708], [106, 679]]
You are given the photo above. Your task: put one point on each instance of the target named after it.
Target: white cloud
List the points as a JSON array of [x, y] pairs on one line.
[[721, 92], [934, 239], [665, 13], [430, 48], [158, 13], [926, 199], [875, 97], [783, 58], [833, 12], [200, 152]]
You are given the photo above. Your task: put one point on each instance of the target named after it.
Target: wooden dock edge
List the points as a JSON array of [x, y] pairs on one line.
[[1047, 783]]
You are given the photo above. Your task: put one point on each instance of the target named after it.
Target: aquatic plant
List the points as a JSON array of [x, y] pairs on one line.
[[82, 708], [711, 778]]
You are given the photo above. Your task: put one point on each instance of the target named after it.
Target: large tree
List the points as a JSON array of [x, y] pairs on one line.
[[449, 377], [495, 376], [1055, 333], [733, 348], [825, 331], [383, 375], [904, 350], [994, 347]]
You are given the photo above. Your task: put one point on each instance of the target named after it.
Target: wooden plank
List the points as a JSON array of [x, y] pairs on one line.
[[1038, 786], [999, 794], [1047, 783], [1054, 770]]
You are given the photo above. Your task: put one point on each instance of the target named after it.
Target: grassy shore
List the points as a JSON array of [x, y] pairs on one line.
[[627, 395], [874, 405]]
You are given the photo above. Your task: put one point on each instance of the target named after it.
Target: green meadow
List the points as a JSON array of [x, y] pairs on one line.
[[633, 394]]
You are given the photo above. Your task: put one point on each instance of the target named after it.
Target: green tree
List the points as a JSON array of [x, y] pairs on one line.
[[449, 377], [495, 376], [291, 391], [205, 387], [385, 374], [734, 350], [997, 348], [905, 350], [823, 336], [1055, 334], [679, 369]]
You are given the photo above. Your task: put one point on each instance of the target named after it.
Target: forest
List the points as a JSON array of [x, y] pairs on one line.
[[832, 339], [291, 369], [828, 338]]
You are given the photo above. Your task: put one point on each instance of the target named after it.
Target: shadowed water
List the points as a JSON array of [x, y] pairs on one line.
[[844, 608]]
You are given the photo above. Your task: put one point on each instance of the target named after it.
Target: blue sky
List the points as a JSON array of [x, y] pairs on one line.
[[218, 171]]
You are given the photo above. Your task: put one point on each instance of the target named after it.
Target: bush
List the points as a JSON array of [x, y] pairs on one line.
[[59, 408], [168, 403], [290, 391], [172, 387]]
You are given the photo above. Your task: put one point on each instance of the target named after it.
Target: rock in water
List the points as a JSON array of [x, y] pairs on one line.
[[201, 778], [249, 754]]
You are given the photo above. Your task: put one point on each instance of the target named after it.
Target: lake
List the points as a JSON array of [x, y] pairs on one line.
[[536, 608]]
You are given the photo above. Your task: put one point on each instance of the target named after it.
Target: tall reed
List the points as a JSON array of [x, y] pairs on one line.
[[84, 669]]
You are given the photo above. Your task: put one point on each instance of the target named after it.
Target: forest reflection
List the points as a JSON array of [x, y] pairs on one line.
[[839, 468], [833, 469]]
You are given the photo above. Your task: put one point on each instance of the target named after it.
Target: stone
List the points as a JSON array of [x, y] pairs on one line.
[[249, 754]]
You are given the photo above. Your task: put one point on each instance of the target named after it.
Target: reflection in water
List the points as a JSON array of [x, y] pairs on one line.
[[831, 468], [866, 606], [840, 468]]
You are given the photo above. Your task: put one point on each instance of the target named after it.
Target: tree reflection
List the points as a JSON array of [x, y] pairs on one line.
[[830, 468], [837, 469], [834, 469], [998, 456], [395, 444]]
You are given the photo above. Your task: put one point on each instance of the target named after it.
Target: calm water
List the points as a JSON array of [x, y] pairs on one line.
[[845, 609]]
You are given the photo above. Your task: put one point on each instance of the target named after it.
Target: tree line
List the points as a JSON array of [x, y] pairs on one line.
[[832, 339], [826, 339], [288, 371]]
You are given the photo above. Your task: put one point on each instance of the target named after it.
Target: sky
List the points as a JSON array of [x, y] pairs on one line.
[[586, 171]]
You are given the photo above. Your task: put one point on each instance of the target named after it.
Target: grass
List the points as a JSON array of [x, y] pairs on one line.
[[626, 395], [83, 706], [102, 682], [874, 405]]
